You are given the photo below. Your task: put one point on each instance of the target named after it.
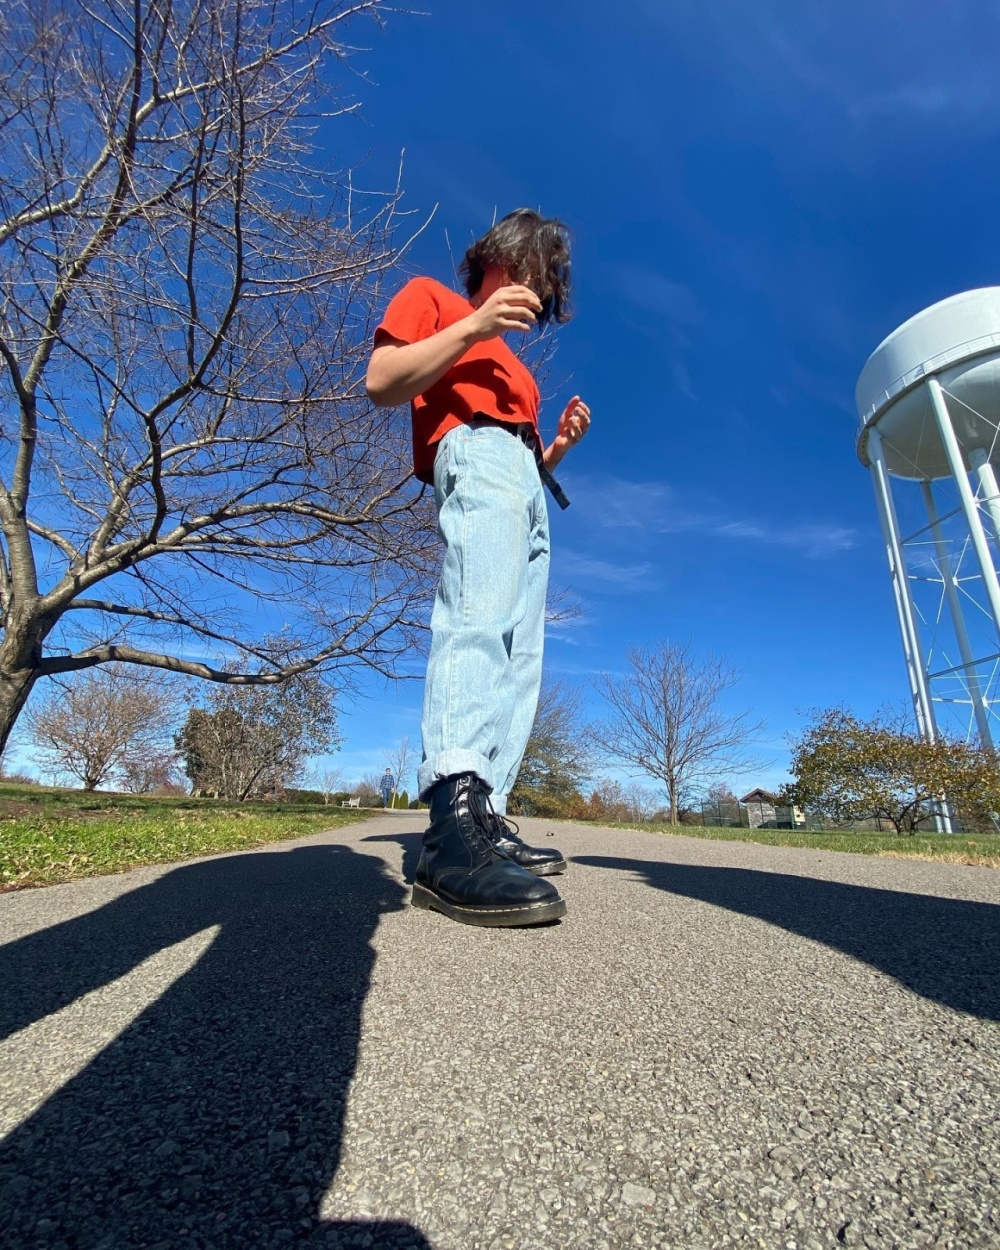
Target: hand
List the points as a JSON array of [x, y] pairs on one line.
[[508, 308], [573, 425], [574, 422]]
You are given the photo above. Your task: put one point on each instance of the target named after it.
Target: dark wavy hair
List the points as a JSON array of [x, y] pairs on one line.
[[534, 251]]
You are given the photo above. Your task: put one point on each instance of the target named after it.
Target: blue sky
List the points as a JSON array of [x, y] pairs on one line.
[[759, 193]]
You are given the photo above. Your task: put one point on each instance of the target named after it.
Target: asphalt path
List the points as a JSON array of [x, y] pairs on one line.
[[722, 1044]]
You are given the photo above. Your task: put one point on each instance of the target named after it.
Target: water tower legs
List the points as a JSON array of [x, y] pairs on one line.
[[988, 489], [905, 612], [919, 689], [968, 500], [958, 619]]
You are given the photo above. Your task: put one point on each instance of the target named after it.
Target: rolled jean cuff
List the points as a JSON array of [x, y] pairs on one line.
[[450, 764]]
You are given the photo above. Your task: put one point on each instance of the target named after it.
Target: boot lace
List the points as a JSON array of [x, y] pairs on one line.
[[482, 813], [490, 824], [504, 827], [498, 827]]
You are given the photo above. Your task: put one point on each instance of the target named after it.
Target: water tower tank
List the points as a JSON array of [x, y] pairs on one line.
[[929, 403], [958, 341]]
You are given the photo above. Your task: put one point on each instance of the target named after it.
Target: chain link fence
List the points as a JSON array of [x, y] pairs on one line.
[[753, 815], [763, 815]]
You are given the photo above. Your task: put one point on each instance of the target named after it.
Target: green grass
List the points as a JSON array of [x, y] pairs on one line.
[[49, 835], [979, 848]]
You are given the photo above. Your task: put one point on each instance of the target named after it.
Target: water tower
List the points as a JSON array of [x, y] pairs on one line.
[[929, 403]]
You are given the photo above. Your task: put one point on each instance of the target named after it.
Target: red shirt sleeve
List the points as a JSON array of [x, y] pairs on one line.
[[413, 314]]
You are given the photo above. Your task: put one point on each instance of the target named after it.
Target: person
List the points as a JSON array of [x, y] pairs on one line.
[[387, 785], [474, 407]]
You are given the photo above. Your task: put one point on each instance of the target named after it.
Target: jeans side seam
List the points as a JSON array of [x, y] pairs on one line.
[[463, 598]]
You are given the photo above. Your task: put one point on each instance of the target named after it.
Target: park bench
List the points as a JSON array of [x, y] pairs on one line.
[[351, 802]]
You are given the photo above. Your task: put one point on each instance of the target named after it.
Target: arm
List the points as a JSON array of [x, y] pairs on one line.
[[398, 371]]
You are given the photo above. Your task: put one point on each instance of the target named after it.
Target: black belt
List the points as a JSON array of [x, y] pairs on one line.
[[525, 432]]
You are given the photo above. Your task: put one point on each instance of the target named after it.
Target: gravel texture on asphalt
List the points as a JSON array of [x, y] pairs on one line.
[[723, 1044]]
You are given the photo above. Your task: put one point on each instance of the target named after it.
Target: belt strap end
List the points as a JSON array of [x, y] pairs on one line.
[[555, 490]]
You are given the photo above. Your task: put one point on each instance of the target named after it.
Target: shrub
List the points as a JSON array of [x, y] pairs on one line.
[[19, 779], [304, 796]]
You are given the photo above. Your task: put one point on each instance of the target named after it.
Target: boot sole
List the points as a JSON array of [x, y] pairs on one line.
[[489, 917], [549, 870]]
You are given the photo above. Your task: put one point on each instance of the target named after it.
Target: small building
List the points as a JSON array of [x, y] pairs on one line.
[[764, 811], [761, 808]]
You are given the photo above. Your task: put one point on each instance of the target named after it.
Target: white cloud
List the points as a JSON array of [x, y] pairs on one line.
[[658, 295], [616, 503], [813, 540], [587, 569], [917, 59], [682, 379], [653, 508]]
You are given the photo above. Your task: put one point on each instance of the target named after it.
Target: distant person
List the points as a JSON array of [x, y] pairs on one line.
[[387, 785], [475, 438]]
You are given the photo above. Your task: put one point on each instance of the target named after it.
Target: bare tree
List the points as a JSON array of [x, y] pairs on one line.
[[720, 792], [368, 789], [185, 304], [642, 802], [105, 724], [155, 772], [328, 780], [400, 759], [610, 800], [666, 719]]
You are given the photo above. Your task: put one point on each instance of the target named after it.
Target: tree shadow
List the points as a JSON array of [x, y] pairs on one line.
[[941, 948], [215, 1118]]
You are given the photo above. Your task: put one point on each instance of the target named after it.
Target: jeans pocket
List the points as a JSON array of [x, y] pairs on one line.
[[443, 459]]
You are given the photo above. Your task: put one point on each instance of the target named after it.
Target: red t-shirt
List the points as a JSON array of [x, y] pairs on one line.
[[488, 379]]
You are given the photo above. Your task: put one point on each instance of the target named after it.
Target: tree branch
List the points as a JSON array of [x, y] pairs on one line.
[[152, 659]]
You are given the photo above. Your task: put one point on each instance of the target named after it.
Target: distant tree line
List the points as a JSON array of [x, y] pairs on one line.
[[666, 723], [668, 720], [120, 726], [130, 729]]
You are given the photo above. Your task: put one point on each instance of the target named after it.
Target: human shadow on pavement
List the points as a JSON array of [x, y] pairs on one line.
[[411, 844], [941, 948], [215, 1118]]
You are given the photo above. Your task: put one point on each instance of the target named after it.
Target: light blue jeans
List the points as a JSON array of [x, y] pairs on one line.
[[488, 623]]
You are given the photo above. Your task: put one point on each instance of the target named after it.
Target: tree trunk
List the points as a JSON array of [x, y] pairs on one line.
[[20, 656], [14, 690]]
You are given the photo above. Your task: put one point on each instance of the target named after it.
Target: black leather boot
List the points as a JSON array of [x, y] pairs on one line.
[[543, 861], [463, 875]]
